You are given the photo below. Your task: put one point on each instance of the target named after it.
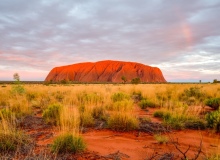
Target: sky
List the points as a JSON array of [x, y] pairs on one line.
[[181, 37]]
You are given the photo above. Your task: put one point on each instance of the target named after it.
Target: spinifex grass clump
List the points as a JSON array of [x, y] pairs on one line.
[[213, 120], [144, 103], [5, 113], [52, 114], [161, 139], [10, 137], [192, 96], [99, 113], [85, 98], [123, 122], [137, 96], [68, 142], [86, 118], [17, 88], [123, 105], [180, 120], [9, 141], [119, 97], [213, 103], [69, 119], [20, 106]]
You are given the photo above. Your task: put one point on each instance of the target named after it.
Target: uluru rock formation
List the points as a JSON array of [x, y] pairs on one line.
[[105, 71]]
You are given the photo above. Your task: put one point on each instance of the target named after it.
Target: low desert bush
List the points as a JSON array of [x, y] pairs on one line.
[[195, 123], [137, 96], [59, 96], [20, 106], [215, 156], [68, 142], [10, 136], [180, 120], [123, 105], [93, 98], [69, 119], [7, 114], [144, 103], [86, 119], [213, 120], [9, 141], [31, 96], [121, 121], [51, 115], [18, 89], [99, 113], [192, 95], [162, 114], [213, 103], [119, 97], [161, 139]]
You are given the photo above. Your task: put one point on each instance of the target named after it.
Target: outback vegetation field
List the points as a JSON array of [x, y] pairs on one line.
[[165, 121]]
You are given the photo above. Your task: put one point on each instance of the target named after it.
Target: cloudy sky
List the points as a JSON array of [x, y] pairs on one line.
[[181, 37]]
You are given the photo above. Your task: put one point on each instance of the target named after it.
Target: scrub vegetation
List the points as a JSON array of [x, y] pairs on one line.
[[72, 109]]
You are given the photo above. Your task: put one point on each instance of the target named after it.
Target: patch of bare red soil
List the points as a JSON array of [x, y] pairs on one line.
[[134, 145]]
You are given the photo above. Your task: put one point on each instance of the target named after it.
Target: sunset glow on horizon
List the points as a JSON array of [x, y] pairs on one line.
[[181, 38]]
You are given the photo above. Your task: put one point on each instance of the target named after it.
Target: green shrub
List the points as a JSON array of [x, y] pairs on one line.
[[136, 80], [180, 121], [122, 122], [68, 143], [175, 123], [161, 114], [18, 89], [11, 140], [86, 119], [124, 105], [144, 103], [137, 96], [213, 120], [119, 97], [89, 98], [161, 139], [193, 92], [192, 95], [158, 114], [52, 114], [213, 103], [99, 113], [213, 156], [195, 123], [6, 114], [59, 96], [31, 96]]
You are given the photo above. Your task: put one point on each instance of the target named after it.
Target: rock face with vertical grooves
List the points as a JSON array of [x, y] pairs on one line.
[[105, 71]]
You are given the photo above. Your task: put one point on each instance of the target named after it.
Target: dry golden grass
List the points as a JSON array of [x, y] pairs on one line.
[[83, 103]]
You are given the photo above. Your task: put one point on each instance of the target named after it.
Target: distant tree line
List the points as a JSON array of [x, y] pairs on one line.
[[216, 81]]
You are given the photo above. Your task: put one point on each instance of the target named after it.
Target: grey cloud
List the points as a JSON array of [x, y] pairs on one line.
[[51, 33]]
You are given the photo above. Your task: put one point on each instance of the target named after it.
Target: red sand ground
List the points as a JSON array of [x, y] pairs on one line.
[[132, 145], [143, 145], [106, 142]]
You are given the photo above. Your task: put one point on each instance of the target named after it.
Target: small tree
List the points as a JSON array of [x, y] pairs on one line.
[[136, 80], [16, 77], [18, 87], [124, 79], [215, 81]]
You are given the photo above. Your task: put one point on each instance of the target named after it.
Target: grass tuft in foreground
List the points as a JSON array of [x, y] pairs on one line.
[[123, 122], [68, 142], [161, 139], [52, 114], [213, 120]]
